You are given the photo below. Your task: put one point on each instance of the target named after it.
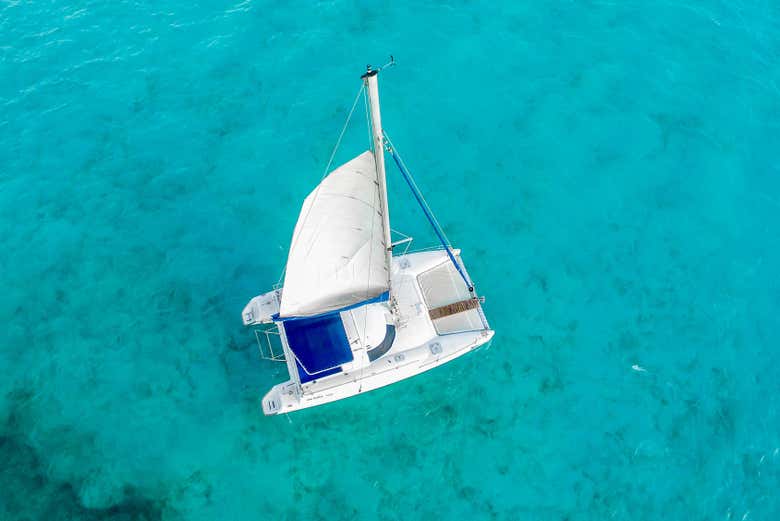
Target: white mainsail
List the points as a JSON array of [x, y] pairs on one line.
[[338, 256]]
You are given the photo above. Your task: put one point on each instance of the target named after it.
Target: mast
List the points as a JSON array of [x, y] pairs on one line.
[[377, 138]]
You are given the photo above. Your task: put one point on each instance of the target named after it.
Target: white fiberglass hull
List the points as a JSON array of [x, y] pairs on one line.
[[422, 281], [284, 398]]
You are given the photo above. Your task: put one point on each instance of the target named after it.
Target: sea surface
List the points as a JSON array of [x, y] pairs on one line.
[[609, 169]]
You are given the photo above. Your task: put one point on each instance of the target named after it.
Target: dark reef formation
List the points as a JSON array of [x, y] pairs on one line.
[[28, 494]]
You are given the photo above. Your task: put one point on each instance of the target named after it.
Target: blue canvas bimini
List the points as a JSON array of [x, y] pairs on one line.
[[320, 344]]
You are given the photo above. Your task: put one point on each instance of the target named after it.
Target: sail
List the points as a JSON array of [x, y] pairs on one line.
[[338, 256]]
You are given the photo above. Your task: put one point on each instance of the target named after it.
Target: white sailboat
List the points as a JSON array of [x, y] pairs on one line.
[[351, 316]]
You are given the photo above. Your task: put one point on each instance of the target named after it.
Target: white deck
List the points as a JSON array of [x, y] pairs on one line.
[[420, 281]]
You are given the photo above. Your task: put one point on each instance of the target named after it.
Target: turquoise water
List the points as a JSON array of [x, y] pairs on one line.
[[609, 169]]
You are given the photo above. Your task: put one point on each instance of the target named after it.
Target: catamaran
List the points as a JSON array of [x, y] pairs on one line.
[[353, 314]]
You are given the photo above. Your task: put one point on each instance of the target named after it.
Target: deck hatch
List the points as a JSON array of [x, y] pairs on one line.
[[451, 306]]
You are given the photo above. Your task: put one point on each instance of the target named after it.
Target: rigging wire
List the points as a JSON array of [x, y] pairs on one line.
[[327, 169], [428, 212], [343, 130], [369, 126], [416, 189]]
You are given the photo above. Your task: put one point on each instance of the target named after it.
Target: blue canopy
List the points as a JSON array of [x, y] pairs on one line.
[[320, 344], [306, 377]]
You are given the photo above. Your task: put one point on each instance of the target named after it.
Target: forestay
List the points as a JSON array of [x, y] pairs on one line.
[[338, 256]]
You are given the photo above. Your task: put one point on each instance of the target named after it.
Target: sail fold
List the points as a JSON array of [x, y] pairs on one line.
[[338, 256]]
